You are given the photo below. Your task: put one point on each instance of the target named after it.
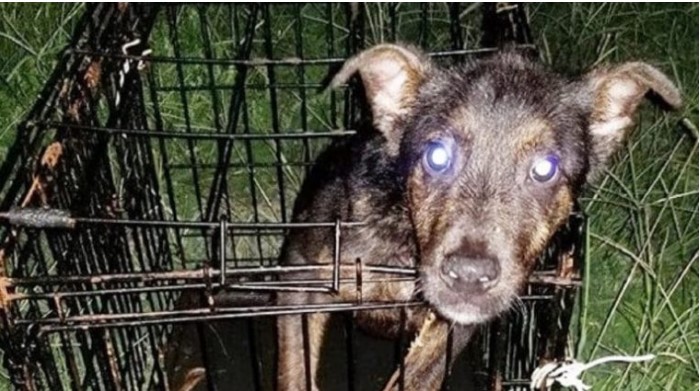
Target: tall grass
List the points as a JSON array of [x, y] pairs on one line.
[[641, 286]]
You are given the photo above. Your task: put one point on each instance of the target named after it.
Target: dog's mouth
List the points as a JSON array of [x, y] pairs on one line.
[[470, 302]]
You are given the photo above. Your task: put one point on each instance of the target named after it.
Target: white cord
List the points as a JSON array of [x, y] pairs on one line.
[[126, 67], [128, 45], [567, 372]]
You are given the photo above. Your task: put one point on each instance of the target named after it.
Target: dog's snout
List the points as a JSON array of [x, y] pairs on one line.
[[468, 274]]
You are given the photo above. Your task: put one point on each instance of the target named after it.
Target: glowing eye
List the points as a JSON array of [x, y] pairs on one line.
[[545, 169], [437, 157]]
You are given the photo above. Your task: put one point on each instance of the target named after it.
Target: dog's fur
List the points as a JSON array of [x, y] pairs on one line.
[[496, 115]]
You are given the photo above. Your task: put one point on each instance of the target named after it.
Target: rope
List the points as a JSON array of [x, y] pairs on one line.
[[567, 372]]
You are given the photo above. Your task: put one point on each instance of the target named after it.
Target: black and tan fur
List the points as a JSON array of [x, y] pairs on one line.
[[499, 113]]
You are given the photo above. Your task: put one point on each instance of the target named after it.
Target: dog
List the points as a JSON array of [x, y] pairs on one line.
[[464, 173]]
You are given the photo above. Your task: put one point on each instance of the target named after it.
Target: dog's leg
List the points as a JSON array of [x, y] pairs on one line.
[[425, 363], [297, 367]]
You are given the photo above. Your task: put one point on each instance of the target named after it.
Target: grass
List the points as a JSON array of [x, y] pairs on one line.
[[31, 37], [641, 287], [641, 277]]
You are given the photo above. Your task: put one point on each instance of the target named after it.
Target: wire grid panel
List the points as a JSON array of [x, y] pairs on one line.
[[168, 147]]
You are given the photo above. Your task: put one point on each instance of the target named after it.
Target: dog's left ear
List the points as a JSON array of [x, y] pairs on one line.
[[616, 94]]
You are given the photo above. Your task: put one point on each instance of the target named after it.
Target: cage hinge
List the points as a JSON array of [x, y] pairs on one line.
[[38, 218]]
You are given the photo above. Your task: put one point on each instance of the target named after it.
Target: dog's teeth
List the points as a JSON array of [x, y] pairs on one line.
[[484, 279], [453, 274]]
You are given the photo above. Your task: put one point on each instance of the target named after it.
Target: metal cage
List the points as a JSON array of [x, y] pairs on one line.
[[158, 166]]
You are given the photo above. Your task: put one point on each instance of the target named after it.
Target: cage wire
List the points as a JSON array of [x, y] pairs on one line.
[[158, 167]]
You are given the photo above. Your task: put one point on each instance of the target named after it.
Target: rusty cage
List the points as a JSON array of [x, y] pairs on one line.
[[160, 162]]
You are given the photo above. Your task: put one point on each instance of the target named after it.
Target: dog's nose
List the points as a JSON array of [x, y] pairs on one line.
[[470, 274]]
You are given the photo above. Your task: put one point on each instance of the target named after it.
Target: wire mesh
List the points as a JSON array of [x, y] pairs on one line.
[[158, 167]]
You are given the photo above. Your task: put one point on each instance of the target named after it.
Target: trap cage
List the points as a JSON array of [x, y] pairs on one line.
[[158, 167]]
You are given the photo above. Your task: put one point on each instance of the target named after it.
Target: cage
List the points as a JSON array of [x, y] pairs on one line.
[[157, 168]]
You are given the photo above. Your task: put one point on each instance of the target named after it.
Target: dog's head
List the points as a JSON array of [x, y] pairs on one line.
[[493, 154]]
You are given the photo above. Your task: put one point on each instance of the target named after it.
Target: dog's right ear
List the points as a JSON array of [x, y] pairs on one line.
[[616, 92], [391, 75]]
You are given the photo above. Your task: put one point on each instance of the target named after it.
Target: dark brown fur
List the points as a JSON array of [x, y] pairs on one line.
[[499, 114]]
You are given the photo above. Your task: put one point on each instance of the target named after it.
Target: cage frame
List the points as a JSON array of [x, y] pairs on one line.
[[35, 201]]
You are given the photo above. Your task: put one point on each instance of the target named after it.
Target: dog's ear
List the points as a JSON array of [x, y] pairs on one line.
[[617, 92], [391, 75]]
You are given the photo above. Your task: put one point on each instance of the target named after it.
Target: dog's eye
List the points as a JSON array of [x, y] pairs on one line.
[[438, 157], [545, 169]]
